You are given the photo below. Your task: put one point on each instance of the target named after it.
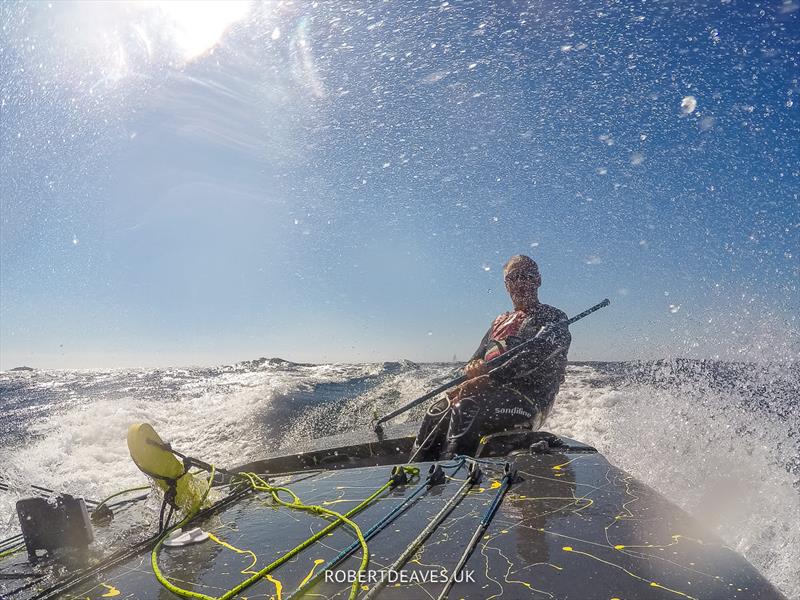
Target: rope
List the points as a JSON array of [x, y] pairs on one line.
[[258, 484], [435, 429], [16, 548], [163, 523], [11, 551], [117, 558], [154, 553], [433, 524], [261, 485], [135, 489], [380, 525], [7, 543], [508, 479]]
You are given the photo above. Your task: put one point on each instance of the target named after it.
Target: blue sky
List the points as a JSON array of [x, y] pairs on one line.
[[343, 182]]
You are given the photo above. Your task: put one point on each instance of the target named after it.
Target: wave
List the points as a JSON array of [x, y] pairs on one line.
[[721, 440]]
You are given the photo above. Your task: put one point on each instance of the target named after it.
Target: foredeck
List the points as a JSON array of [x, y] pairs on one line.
[[572, 526]]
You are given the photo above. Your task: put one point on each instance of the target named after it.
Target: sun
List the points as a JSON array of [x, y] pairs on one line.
[[195, 26]]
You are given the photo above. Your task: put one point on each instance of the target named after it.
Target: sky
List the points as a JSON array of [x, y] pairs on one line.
[[203, 183]]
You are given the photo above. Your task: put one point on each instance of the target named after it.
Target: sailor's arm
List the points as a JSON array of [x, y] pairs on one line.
[[476, 365], [472, 387], [475, 371], [481, 351], [476, 368], [545, 354]]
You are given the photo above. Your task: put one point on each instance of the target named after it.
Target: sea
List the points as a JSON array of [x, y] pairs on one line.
[[719, 439]]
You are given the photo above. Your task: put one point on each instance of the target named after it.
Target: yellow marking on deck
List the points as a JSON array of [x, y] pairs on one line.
[[278, 585], [317, 563], [112, 591], [224, 544], [626, 571], [675, 540], [562, 465]]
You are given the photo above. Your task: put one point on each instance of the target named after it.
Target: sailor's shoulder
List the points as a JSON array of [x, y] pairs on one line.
[[551, 314]]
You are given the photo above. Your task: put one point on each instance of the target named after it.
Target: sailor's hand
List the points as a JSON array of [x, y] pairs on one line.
[[472, 387], [454, 395], [476, 368]]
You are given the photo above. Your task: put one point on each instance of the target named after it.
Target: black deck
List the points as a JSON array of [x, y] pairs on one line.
[[367, 449], [573, 527]]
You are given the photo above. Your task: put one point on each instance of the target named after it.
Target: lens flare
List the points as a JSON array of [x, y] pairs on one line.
[[195, 26]]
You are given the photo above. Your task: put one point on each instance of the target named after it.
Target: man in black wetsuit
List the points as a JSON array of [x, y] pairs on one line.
[[518, 393]]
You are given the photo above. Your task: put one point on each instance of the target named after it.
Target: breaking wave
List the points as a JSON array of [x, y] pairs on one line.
[[719, 439]]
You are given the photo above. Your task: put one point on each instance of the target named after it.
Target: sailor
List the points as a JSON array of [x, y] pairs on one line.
[[518, 393]]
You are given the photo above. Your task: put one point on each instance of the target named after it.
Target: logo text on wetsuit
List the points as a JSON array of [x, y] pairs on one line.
[[513, 411]]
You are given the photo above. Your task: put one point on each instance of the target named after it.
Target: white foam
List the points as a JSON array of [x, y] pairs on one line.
[[720, 463]]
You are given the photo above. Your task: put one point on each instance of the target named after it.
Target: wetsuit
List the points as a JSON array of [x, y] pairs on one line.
[[521, 391]]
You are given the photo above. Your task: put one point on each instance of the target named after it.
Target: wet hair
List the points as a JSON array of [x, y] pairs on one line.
[[520, 261], [523, 263]]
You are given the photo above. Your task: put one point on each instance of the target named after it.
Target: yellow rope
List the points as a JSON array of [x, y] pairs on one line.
[[154, 554], [112, 496], [11, 551], [258, 484]]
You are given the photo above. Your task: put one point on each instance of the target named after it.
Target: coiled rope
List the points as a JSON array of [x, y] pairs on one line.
[[257, 483]]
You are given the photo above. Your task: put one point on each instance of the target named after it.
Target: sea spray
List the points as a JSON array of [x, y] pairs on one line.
[[718, 439]]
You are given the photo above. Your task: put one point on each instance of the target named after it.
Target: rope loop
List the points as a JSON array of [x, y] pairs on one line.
[[257, 483]]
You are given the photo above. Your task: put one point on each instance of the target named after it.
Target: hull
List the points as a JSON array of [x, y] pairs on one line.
[[571, 526]]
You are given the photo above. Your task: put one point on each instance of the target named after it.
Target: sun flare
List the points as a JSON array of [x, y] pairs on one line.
[[195, 26]]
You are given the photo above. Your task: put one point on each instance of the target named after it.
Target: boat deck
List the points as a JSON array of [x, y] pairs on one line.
[[571, 526]]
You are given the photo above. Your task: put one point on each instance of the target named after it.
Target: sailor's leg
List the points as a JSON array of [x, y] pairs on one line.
[[517, 409], [466, 424], [432, 432], [520, 408]]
